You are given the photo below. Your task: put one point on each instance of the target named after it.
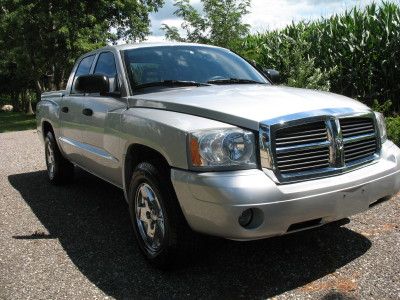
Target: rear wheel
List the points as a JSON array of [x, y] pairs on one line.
[[160, 227], [59, 169]]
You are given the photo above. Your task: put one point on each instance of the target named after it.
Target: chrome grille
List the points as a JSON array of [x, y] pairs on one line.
[[359, 138], [302, 148], [317, 143]]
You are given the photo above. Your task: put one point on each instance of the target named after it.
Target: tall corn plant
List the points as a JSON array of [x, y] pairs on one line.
[[356, 54]]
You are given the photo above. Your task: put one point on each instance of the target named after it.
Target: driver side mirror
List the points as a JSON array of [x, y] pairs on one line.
[[92, 83], [272, 75]]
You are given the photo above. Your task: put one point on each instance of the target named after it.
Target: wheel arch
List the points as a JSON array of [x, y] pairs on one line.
[[47, 127], [137, 153]]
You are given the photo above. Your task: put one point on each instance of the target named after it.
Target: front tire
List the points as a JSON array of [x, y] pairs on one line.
[[59, 169], [159, 225]]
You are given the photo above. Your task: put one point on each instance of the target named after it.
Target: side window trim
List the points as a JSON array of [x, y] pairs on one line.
[[94, 63]]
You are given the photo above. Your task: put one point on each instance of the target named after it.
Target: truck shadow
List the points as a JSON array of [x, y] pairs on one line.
[[91, 221]]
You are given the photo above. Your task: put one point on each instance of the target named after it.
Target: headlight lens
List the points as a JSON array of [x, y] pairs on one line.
[[226, 147], [380, 118]]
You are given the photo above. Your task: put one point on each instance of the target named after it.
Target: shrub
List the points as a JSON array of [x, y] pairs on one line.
[[393, 129]]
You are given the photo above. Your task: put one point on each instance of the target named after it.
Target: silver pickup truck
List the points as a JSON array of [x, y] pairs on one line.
[[201, 140]]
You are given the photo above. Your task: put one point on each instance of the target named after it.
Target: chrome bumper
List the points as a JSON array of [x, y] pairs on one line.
[[213, 202]]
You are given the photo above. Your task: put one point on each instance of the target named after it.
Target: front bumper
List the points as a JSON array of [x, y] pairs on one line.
[[212, 202]]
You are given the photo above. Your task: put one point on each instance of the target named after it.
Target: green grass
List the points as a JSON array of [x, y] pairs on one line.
[[13, 121]]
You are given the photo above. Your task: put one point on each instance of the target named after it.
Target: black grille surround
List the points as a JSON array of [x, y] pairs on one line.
[[314, 147]]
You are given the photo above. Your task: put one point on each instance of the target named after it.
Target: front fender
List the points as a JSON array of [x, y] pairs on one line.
[[164, 131]]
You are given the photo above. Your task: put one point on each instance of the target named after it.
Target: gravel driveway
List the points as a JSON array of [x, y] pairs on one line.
[[76, 242]]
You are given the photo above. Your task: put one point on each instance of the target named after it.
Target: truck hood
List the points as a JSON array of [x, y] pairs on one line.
[[245, 105]]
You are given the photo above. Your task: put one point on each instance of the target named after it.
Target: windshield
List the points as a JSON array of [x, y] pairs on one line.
[[197, 64]]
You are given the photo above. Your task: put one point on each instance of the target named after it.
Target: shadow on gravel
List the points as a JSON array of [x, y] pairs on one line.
[[91, 221]]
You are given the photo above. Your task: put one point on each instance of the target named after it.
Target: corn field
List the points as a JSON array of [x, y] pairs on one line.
[[355, 54]]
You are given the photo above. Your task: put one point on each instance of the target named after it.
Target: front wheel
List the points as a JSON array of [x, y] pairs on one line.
[[160, 228], [59, 169]]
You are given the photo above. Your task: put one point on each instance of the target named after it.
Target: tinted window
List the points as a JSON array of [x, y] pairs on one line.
[[83, 68], [187, 63], [106, 65]]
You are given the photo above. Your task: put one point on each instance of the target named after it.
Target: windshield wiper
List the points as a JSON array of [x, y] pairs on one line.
[[169, 83], [233, 81]]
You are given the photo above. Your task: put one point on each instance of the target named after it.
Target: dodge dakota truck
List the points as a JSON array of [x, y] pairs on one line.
[[201, 140]]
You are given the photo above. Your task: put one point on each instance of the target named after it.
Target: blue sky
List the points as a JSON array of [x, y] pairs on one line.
[[264, 14]]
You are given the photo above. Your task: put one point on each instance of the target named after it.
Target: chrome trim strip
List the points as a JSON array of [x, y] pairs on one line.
[[303, 147], [266, 148], [317, 114], [88, 148], [358, 138]]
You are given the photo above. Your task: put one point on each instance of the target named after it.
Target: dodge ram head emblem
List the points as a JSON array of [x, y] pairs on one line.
[[339, 143]]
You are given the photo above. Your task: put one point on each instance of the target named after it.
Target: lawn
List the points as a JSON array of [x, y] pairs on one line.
[[13, 121]]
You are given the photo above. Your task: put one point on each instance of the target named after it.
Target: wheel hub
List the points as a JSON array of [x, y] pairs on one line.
[[149, 217], [50, 160]]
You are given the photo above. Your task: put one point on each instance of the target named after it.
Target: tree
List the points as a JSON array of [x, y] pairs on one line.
[[44, 38], [220, 24]]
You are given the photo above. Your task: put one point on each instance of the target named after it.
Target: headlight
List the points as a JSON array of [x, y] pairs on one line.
[[222, 148], [380, 118]]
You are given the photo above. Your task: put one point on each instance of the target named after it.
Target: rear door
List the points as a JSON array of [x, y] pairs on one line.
[[101, 122], [71, 138]]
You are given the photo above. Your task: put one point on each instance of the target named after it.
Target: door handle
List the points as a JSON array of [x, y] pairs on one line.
[[64, 109], [87, 112]]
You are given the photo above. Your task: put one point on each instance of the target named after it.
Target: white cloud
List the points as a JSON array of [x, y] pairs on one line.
[[266, 14], [155, 39]]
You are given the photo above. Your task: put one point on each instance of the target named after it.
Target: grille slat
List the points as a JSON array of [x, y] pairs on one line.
[[304, 158], [359, 143], [357, 128], [310, 131], [304, 163], [358, 149], [358, 132], [308, 136], [302, 169], [302, 141], [290, 156], [301, 153], [360, 156], [355, 120], [356, 125]]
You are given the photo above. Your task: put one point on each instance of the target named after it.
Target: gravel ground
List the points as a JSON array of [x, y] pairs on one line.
[[76, 242]]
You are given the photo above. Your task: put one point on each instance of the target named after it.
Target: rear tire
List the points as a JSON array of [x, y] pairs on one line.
[[59, 169], [159, 225]]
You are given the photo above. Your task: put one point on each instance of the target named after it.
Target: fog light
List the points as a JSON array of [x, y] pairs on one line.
[[246, 217]]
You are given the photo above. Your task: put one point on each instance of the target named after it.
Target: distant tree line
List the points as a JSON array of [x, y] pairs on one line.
[[40, 40]]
